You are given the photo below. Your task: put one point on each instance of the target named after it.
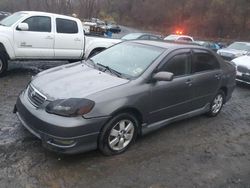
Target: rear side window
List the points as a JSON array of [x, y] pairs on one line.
[[185, 39], [144, 37], [203, 61], [66, 26], [39, 23], [178, 65]]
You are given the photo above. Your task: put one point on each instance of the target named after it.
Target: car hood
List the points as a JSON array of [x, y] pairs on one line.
[[4, 29], [231, 52], [74, 81], [243, 61]]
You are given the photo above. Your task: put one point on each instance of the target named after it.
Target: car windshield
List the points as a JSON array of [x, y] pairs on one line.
[[129, 59], [240, 46], [131, 36], [10, 20]]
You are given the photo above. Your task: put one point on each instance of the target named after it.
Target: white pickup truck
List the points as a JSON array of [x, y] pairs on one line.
[[30, 35]]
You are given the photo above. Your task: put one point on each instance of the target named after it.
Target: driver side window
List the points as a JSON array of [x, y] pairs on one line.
[[178, 65]]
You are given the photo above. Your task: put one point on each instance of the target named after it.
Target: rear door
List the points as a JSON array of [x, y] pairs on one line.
[[38, 41], [69, 39], [206, 77], [173, 98]]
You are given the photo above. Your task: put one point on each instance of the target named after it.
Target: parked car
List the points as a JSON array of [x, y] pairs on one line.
[[242, 65], [97, 45], [184, 38], [125, 91], [212, 45], [234, 50], [113, 27], [40, 36], [4, 15], [141, 36]]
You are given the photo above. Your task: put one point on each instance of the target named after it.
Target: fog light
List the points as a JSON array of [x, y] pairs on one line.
[[63, 142]]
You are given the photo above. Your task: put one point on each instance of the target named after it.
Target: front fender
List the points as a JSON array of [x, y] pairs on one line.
[[7, 45]]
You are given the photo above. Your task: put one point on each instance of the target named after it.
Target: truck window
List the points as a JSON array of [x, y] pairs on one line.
[[39, 23], [66, 26]]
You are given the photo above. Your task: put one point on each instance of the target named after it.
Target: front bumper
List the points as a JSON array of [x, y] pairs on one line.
[[67, 135], [244, 78]]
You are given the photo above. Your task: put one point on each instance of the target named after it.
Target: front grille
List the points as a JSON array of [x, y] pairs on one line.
[[243, 69], [35, 97]]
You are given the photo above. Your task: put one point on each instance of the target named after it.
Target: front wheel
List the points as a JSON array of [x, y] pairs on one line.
[[3, 64], [217, 104], [118, 134]]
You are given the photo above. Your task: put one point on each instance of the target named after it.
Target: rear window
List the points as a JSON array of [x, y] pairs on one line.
[[203, 61], [66, 26]]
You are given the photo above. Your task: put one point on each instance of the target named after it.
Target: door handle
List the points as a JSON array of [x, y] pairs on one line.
[[49, 37], [189, 82], [217, 76], [77, 39]]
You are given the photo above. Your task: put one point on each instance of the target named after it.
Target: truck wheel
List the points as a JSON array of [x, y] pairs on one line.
[[3, 64], [94, 52]]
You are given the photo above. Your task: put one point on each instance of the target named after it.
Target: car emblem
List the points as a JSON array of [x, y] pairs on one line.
[[33, 93]]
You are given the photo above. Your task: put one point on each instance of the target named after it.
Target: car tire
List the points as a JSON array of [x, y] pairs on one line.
[[95, 52], [216, 104], [118, 134], [3, 64]]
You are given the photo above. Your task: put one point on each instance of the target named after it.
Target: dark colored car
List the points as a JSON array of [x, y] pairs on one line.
[[4, 14], [113, 27], [141, 36], [234, 50], [127, 90], [211, 45]]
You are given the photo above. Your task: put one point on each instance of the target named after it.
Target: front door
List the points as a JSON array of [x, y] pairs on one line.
[[172, 98], [38, 41]]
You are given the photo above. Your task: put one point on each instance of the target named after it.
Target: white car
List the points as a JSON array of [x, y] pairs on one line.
[[184, 38], [242, 65]]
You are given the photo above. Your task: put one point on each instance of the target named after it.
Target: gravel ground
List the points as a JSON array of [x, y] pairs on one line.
[[198, 152]]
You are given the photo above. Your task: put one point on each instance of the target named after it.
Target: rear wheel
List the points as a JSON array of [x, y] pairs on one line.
[[3, 64], [118, 134], [94, 52], [217, 104]]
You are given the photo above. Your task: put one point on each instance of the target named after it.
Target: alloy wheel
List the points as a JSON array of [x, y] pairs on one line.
[[217, 103], [121, 135]]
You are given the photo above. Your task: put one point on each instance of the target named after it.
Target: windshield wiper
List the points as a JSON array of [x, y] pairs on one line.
[[110, 70]]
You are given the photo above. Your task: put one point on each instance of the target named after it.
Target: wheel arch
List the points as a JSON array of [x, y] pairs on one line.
[[3, 49]]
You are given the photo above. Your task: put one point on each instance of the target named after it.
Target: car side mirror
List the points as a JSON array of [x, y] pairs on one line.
[[23, 27], [163, 76]]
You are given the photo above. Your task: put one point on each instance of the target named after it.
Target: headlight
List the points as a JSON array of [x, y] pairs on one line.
[[70, 107], [233, 63], [237, 55]]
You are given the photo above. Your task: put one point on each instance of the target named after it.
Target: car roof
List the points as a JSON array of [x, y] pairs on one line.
[[247, 43], [168, 45], [37, 13]]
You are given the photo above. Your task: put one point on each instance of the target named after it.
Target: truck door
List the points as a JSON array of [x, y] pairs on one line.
[[37, 41], [69, 39]]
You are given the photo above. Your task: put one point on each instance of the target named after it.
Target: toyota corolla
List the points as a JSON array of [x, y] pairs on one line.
[[126, 91]]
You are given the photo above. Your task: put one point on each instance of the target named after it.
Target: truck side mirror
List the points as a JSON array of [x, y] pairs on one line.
[[23, 27]]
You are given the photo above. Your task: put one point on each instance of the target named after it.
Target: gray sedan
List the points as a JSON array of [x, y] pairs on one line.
[[126, 91]]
